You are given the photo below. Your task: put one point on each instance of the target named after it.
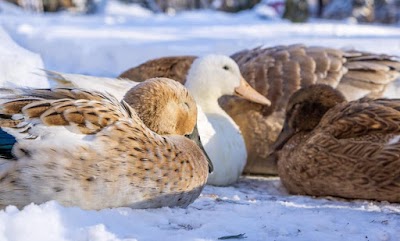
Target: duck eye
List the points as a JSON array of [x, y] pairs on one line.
[[226, 67]]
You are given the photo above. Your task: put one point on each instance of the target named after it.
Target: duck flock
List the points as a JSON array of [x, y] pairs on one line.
[[158, 133]]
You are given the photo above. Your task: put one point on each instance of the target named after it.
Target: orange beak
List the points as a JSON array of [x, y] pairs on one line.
[[247, 92]]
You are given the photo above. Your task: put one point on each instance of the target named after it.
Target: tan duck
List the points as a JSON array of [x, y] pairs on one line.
[[86, 149], [276, 73], [330, 147]]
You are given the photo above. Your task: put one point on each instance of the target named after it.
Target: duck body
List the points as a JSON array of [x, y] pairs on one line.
[[277, 72], [86, 149], [228, 147], [353, 152]]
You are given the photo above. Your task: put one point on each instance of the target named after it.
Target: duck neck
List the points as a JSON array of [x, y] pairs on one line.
[[207, 99]]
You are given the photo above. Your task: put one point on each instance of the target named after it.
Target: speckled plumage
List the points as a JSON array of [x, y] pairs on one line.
[[86, 149], [277, 72], [352, 152]]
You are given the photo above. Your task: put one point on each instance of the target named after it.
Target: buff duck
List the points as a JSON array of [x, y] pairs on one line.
[[209, 78], [331, 147], [276, 73], [87, 149]]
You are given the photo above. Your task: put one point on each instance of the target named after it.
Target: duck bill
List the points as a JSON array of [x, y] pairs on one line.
[[247, 92], [196, 138], [283, 137]]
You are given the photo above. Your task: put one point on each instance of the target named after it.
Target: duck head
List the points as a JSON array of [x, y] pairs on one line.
[[166, 107], [213, 76], [305, 109]]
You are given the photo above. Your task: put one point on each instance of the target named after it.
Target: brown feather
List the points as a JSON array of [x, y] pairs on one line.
[[175, 68]]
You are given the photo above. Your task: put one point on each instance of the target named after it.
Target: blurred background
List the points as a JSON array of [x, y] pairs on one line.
[[379, 11]]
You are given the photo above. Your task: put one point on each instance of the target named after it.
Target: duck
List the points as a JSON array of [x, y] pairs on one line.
[[277, 72], [87, 149], [209, 78], [331, 147]]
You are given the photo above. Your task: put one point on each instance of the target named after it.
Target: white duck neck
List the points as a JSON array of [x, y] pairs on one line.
[[206, 97]]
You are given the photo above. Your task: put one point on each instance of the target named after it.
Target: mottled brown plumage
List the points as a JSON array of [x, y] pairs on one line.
[[330, 147], [86, 149], [279, 71], [175, 67]]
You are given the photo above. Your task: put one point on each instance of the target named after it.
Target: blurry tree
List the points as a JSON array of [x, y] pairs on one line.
[[296, 10]]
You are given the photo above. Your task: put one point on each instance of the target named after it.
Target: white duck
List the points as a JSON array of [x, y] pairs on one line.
[[209, 78]]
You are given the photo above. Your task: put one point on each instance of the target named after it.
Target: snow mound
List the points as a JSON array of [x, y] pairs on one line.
[[18, 65]]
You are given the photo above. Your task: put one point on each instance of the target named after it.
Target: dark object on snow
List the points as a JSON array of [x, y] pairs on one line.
[[239, 236]]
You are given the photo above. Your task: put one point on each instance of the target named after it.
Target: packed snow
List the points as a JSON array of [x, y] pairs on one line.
[[256, 208]]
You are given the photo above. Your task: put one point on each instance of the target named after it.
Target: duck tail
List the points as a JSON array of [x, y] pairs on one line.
[[369, 71]]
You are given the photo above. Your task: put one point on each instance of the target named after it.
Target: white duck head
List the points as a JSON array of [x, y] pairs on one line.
[[213, 76]]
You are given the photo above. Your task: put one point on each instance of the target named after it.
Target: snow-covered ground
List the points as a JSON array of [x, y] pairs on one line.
[[259, 208], [122, 37]]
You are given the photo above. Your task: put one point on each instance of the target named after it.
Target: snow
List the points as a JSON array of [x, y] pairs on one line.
[[107, 44], [17, 65], [258, 207], [117, 8]]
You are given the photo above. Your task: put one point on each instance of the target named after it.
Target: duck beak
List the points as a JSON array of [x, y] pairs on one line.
[[283, 137], [196, 138], [247, 92]]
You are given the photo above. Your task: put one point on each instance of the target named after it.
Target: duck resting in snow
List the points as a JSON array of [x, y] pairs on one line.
[[87, 149], [331, 147]]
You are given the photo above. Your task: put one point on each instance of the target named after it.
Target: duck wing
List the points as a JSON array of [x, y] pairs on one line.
[[359, 142], [363, 117], [114, 86], [277, 72], [369, 72], [84, 112], [175, 67]]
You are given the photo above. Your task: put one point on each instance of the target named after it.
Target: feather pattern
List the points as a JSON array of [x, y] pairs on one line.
[[354, 152]]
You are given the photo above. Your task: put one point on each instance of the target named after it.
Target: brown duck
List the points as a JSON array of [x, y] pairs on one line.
[[330, 147], [276, 73]]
